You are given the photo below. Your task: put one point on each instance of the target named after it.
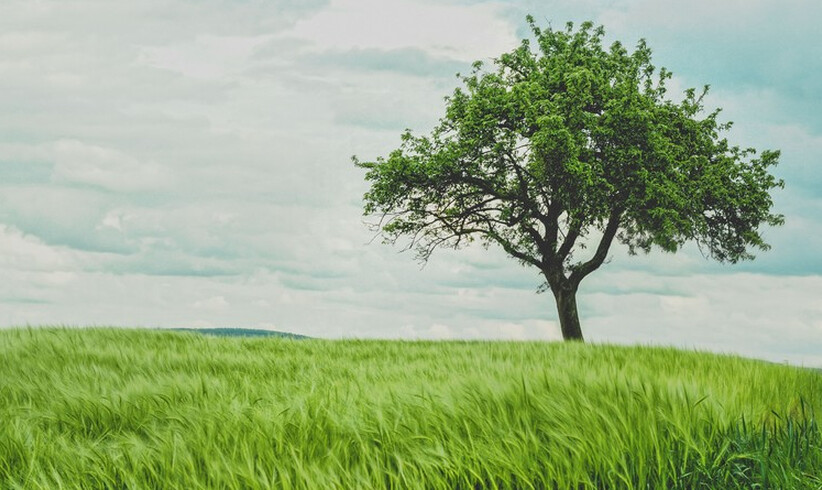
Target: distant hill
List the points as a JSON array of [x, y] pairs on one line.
[[241, 332]]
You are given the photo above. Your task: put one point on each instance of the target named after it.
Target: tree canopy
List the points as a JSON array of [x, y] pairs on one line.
[[565, 145]]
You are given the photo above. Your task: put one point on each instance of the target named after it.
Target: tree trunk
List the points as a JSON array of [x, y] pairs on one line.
[[568, 317]]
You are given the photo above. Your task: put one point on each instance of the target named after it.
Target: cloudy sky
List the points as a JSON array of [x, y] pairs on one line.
[[178, 163]]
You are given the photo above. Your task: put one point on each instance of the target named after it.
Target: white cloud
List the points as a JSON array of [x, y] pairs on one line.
[[215, 303], [513, 331], [683, 305], [25, 252], [455, 31], [438, 331], [84, 163], [111, 220], [205, 57], [704, 15]]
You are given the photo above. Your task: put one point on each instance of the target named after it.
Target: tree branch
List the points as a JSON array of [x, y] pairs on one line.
[[582, 270], [568, 242], [509, 247]]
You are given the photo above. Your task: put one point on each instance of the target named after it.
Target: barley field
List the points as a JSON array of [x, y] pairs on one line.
[[144, 409]]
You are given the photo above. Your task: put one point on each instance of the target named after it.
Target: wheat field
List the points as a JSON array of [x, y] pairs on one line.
[[129, 408]]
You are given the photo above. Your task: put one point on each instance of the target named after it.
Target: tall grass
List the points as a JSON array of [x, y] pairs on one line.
[[111, 408]]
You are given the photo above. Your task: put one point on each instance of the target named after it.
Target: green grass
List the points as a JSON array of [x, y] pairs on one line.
[[109, 408]]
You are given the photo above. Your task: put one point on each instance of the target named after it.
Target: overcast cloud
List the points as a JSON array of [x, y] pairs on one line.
[[168, 164]]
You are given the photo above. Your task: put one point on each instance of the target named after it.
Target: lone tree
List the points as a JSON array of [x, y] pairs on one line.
[[569, 144]]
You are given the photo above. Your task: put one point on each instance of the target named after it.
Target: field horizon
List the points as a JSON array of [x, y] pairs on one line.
[[135, 408]]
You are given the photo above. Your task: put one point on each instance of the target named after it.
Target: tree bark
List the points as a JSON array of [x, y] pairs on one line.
[[566, 299]]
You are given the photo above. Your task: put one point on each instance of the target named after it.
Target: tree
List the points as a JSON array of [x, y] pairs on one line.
[[571, 145]]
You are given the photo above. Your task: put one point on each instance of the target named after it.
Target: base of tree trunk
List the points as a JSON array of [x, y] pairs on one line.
[[568, 315]]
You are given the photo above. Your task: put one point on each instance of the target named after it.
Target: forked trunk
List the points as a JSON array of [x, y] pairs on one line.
[[568, 316]]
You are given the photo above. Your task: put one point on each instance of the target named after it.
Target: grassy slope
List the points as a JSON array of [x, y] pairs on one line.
[[107, 408]]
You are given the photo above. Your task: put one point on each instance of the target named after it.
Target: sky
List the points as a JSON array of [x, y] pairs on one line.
[[188, 164]]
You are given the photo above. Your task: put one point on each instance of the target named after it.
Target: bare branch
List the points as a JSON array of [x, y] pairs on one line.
[[582, 270], [569, 240]]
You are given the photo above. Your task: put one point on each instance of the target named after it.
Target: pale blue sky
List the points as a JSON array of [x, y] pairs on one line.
[[169, 164]]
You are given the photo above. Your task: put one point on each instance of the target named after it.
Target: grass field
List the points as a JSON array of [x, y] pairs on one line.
[[109, 408]]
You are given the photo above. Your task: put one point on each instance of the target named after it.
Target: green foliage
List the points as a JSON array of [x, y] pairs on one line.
[[566, 140], [108, 408]]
